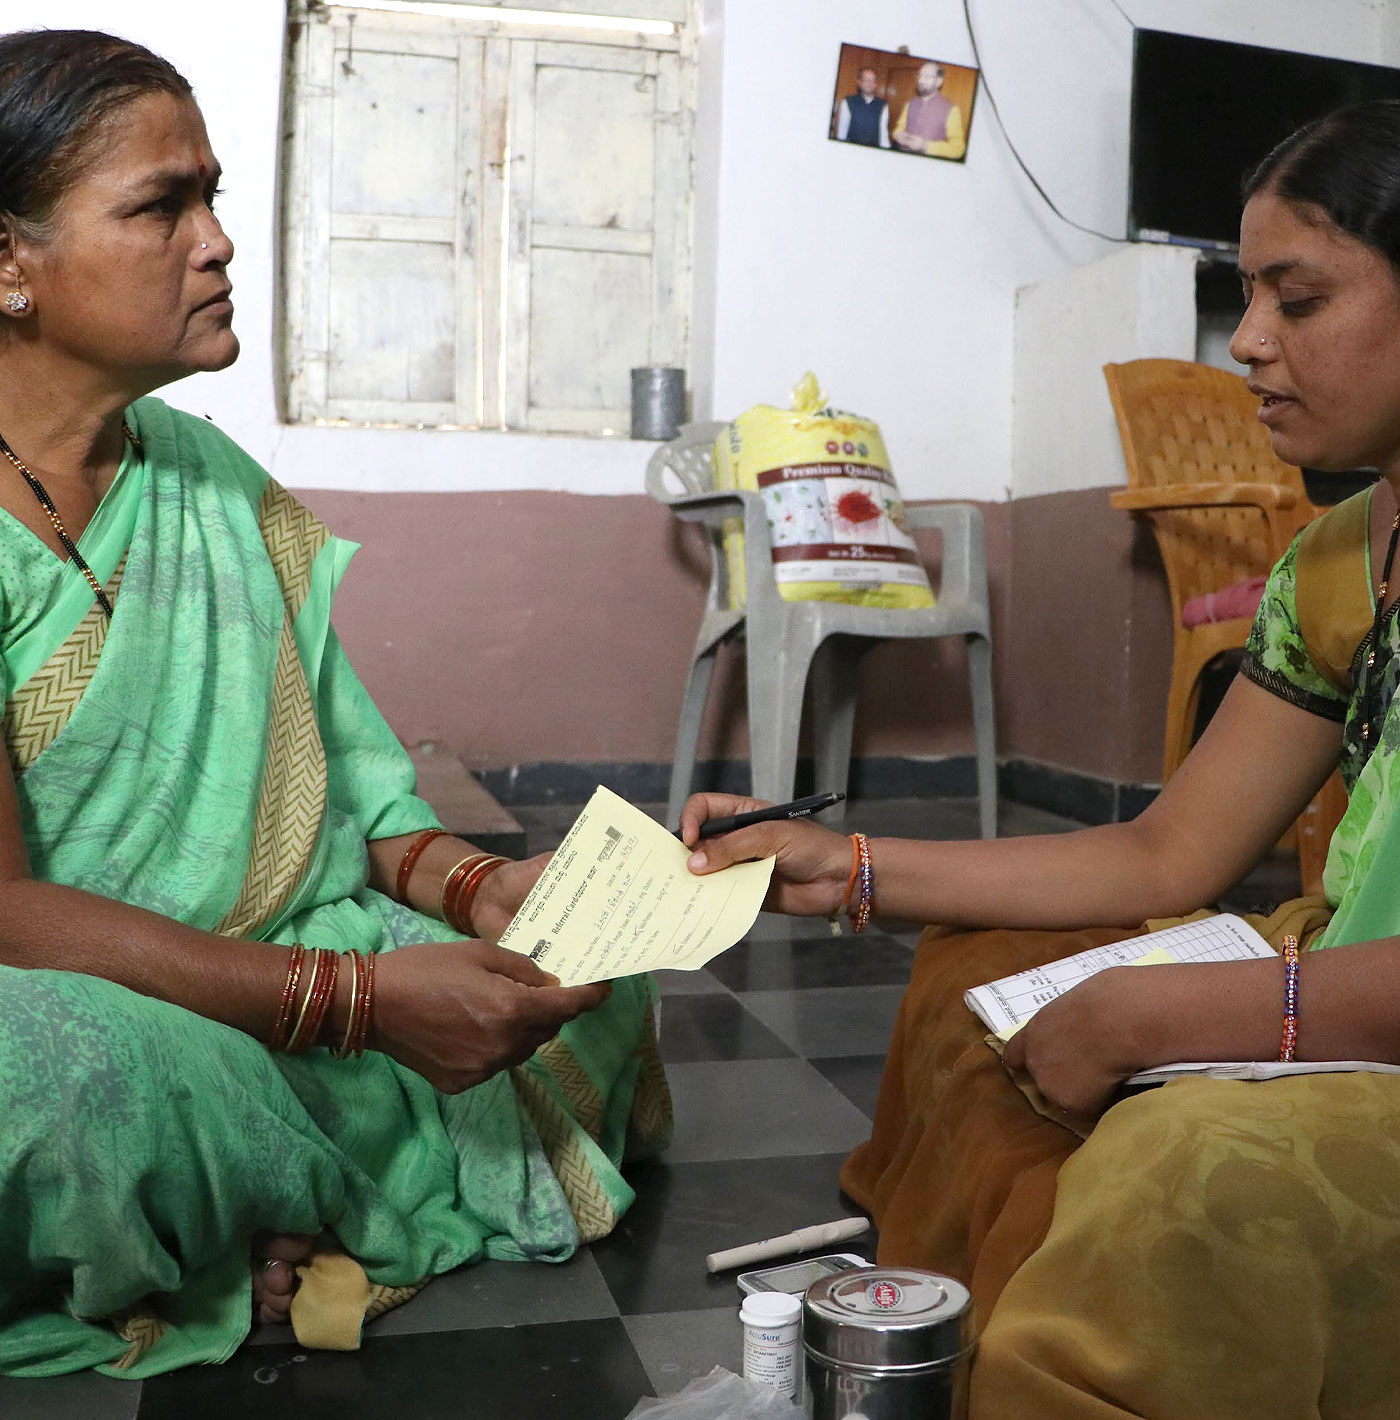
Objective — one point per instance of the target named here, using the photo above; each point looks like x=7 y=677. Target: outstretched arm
x=1259 y=762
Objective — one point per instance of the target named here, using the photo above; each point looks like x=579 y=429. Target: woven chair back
x=1186 y=423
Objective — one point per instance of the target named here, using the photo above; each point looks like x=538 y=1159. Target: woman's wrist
x=493 y=907
x=1134 y=1027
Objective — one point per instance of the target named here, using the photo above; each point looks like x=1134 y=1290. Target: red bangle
x=457 y=911
x=410 y=859
x=278 y=1039
x=851 y=881
x=366 y=1007
x=318 y=999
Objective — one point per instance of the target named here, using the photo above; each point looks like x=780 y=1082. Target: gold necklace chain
x=46 y=503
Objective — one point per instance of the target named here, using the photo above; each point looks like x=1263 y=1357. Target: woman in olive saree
x=1211 y=1248
x=196 y=781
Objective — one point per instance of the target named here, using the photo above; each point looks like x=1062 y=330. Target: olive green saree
x=1213 y=1249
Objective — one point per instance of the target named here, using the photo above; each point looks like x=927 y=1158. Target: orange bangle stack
x=460 y=887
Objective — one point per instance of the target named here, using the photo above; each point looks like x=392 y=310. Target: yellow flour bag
x=835 y=517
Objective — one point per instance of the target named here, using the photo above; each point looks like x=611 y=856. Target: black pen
x=798 y=808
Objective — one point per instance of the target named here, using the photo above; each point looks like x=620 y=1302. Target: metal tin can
x=887 y=1343
x=658 y=401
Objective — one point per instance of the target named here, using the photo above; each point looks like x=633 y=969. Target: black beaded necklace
x=1368 y=699
x=46 y=503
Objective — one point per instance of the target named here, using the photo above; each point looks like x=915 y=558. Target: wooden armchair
x=1223 y=509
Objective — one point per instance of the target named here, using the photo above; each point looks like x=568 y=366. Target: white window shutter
x=388 y=288
x=483 y=227
x=673 y=10
x=592 y=291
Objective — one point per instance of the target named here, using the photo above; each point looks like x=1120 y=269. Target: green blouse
x=1311 y=644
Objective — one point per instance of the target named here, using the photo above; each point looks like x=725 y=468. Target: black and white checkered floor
x=774 y=1055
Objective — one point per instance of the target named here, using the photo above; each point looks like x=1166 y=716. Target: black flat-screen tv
x=1205 y=111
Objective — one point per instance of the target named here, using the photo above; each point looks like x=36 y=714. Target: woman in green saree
x=202 y=814
x=1210 y=1248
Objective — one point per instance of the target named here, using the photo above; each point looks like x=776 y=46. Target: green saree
x=211 y=756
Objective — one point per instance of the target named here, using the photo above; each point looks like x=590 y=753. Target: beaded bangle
x=278 y=1039
x=410 y=858
x=458 y=912
x=1290 y=998
x=865 y=878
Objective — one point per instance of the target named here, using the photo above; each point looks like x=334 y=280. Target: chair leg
x=833 y=719
x=777 y=676
x=697 y=691
x=1183 y=695
x=979 y=669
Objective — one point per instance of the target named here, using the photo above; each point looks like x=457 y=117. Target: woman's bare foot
x=275 y=1259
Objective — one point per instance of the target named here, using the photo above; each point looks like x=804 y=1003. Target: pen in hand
x=798 y=808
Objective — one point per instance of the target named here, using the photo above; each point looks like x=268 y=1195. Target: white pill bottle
x=772 y=1324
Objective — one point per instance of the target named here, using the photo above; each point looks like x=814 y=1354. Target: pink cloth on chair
x=1241 y=599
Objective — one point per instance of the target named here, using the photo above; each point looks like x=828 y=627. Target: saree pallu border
x=292 y=803
x=292 y=799
x=560 y=1099
x=43 y=705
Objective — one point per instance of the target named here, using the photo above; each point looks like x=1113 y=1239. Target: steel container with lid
x=887 y=1343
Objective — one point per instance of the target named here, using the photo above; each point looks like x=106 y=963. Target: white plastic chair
x=785 y=639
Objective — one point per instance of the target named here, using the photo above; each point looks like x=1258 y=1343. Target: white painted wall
x=1139 y=300
x=894 y=279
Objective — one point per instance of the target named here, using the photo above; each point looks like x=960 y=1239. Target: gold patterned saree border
x=40 y=709
x=292 y=802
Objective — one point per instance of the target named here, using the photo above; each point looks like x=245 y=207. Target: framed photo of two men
x=902 y=103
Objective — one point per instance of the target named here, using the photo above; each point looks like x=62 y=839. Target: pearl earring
x=17 y=301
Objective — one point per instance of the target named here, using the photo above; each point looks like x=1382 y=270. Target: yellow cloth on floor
x=329 y=1307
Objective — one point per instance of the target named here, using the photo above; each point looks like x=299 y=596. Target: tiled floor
x=774 y=1056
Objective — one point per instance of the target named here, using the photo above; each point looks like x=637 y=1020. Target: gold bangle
x=352 y=1016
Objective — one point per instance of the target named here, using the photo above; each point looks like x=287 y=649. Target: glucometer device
x=795 y=1277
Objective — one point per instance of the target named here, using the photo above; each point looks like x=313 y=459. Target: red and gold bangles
x=461 y=885
x=313 y=975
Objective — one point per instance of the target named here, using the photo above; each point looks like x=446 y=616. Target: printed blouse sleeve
x=1276 y=656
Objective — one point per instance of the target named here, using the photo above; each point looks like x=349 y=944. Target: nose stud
x=1263 y=340
x=204 y=246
